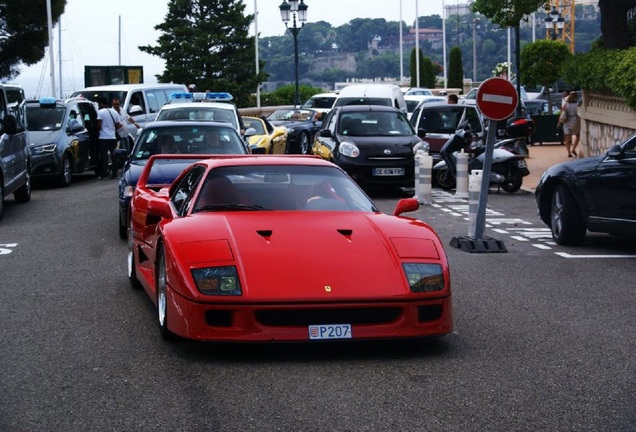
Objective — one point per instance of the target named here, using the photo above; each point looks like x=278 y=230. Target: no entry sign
x=497 y=98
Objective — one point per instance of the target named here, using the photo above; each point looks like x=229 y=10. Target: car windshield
x=281 y=187
x=96 y=95
x=374 y=123
x=325 y=102
x=195 y=139
x=45 y=119
x=255 y=124
x=446 y=119
x=193 y=112
x=296 y=115
x=364 y=101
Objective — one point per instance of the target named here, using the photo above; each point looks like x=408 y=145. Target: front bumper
x=248 y=322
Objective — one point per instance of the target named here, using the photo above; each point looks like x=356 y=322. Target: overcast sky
x=90 y=33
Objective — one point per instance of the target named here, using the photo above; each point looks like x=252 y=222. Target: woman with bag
x=569 y=118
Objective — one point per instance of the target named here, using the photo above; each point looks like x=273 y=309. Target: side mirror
x=421 y=133
x=74 y=126
x=9 y=125
x=249 y=132
x=135 y=110
x=615 y=152
x=406 y=205
x=326 y=133
x=159 y=208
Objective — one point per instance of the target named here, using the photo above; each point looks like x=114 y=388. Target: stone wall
x=605 y=120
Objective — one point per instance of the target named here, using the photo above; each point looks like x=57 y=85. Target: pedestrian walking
x=571 y=122
x=125 y=120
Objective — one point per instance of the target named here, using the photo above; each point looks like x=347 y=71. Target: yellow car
x=272 y=138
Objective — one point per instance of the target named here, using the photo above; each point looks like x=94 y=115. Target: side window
x=330 y=122
x=17 y=106
x=473 y=120
x=153 y=102
x=137 y=98
x=74 y=115
x=182 y=194
x=3 y=103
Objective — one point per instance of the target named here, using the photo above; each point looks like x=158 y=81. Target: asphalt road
x=544 y=338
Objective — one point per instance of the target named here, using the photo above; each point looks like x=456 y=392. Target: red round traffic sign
x=497 y=98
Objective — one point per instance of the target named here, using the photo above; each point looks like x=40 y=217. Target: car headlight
x=128 y=191
x=47 y=148
x=349 y=149
x=219 y=281
x=424 y=277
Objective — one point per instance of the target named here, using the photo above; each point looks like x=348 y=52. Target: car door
x=325 y=143
x=80 y=139
x=614 y=186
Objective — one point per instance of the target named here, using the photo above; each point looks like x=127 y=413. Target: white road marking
x=567 y=255
x=4 y=248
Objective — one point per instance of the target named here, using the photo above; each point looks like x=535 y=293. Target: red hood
x=309 y=256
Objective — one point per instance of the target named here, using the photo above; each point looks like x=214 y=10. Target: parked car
x=272 y=139
x=301 y=124
x=63 y=138
x=592 y=194
x=437 y=122
x=416 y=91
x=212 y=253
x=322 y=102
x=210 y=106
x=412 y=101
x=195 y=140
x=15 y=157
x=372 y=143
x=140 y=101
x=372 y=94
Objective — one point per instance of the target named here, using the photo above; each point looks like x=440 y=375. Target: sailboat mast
x=119 y=40
x=59 y=53
x=52 y=57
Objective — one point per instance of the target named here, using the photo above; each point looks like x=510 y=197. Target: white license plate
x=522 y=164
x=388 y=171
x=330 y=331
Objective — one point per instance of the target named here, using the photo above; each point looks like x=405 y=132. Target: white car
x=413 y=101
x=202 y=107
x=322 y=102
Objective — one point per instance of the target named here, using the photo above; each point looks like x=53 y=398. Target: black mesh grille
x=429 y=313
x=304 y=317
x=218 y=318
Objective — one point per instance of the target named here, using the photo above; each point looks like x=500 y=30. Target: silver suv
x=15 y=157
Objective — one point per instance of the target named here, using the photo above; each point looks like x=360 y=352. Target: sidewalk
x=541 y=158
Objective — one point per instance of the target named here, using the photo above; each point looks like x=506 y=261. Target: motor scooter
x=507 y=169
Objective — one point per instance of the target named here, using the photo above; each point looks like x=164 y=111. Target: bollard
x=461 y=179
x=474 y=193
x=423 y=177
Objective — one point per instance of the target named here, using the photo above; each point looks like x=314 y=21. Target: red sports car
x=283 y=248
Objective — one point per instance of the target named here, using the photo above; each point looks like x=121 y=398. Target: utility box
x=107 y=75
x=546 y=129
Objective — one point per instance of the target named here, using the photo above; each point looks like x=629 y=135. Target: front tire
x=162 y=295
x=23 y=194
x=566 y=224
x=67 y=170
x=123 y=230
x=445 y=179
x=132 y=267
x=303 y=144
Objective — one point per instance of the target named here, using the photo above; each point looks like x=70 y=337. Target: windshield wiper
x=234 y=206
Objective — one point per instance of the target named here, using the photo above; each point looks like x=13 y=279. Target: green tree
x=542 y=62
x=206 y=42
x=428 y=76
x=413 y=68
x=24 y=33
x=506 y=13
x=455 y=69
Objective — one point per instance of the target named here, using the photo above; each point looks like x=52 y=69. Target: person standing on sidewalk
x=107 y=125
x=572 y=124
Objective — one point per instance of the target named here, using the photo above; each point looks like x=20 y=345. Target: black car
x=194 y=138
x=62 y=137
x=372 y=143
x=301 y=124
x=596 y=194
x=437 y=122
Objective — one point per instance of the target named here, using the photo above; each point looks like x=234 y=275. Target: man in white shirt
x=124 y=119
x=107 y=125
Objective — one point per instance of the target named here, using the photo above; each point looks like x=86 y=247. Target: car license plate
x=388 y=171
x=522 y=164
x=330 y=331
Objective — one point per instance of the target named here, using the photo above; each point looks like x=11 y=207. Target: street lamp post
x=475 y=25
x=297 y=10
x=554 y=24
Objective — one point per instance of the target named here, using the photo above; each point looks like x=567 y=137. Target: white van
x=372 y=94
x=141 y=101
